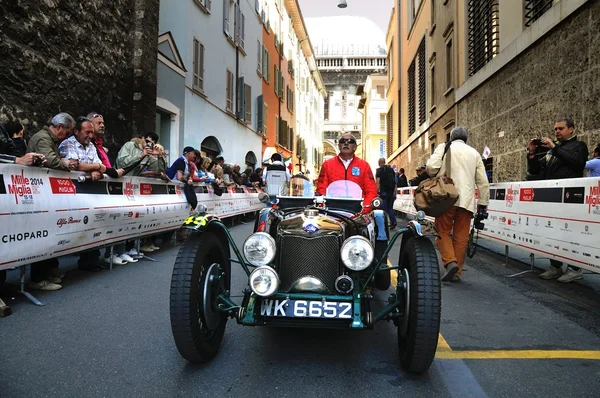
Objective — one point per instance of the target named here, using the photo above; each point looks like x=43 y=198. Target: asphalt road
x=108 y=334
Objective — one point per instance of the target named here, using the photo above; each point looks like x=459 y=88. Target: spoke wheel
x=418 y=332
x=201 y=273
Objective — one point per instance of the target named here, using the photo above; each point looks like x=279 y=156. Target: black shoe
x=451 y=270
x=393 y=226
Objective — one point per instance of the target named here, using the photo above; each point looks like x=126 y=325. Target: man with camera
x=551 y=160
x=137 y=155
x=464 y=166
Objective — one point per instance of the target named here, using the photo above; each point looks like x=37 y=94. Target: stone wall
x=557 y=76
x=77 y=57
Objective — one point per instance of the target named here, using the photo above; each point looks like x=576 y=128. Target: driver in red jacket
x=346 y=166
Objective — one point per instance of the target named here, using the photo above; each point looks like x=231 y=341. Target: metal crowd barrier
x=558 y=219
x=48 y=213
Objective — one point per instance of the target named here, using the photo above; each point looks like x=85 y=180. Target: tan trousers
x=458 y=222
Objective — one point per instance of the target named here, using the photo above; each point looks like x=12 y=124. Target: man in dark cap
x=180 y=170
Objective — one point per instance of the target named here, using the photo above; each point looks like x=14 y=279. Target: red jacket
x=358 y=171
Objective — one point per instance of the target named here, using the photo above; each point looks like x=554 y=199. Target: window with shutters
x=422 y=83
x=535 y=9
x=227 y=18
x=240 y=106
x=449 y=65
x=411 y=98
x=248 y=104
x=265 y=118
x=382 y=117
x=276 y=77
x=277 y=127
x=198 y=66
x=240 y=28
x=229 y=88
x=266 y=60
x=484 y=33
x=259 y=56
x=204 y=5
x=260 y=114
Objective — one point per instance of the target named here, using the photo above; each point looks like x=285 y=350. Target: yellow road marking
x=443 y=345
x=444 y=351
x=518 y=354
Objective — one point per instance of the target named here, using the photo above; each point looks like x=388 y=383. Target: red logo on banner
x=62 y=186
x=526 y=195
x=145 y=189
x=593 y=199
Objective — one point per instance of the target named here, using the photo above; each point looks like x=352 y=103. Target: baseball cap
x=220 y=157
x=188 y=149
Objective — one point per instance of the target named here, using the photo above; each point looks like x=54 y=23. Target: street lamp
x=342 y=4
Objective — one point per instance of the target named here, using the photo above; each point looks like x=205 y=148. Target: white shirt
x=346 y=162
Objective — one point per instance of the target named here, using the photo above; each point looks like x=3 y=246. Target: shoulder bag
x=436 y=195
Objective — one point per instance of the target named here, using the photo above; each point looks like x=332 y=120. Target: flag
x=486 y=152
x=289 y=163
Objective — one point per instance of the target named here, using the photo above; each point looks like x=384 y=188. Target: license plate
x=306 y=309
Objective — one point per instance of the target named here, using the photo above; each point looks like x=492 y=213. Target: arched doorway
x=251 y=160
x=211 y=147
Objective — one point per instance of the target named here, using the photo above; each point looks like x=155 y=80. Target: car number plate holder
x=306 y=309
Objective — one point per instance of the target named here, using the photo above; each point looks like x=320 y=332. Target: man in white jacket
x=463 y=164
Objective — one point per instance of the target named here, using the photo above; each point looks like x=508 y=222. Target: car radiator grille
x=318 y=257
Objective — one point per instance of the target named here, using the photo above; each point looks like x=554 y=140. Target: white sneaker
x=571 y=275
x=115 y=259
x=44 y=285
x=54 y=279
x=134 y=253
x=126 y=257
x=147 y=248
x=154 y=247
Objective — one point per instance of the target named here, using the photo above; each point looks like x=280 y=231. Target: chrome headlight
x=357 y=253
x=264 y=281
x=259 y=248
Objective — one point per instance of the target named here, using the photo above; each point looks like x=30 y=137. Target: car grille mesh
x=318 y=257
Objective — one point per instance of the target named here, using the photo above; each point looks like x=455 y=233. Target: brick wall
x=557 y=76
x=76 y=57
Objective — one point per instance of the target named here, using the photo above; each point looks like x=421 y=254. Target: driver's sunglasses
x=347 y=141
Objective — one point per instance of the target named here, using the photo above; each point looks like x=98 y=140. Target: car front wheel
x=419 y=330
x=201 y=273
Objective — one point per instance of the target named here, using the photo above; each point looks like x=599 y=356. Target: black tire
x=382 y=279
x=471 y=244
x=195 y=340
x=418 y=334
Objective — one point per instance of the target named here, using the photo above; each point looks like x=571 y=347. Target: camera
x=37 y=161
x=537 y=141
x=149 y=144
x=481 y=215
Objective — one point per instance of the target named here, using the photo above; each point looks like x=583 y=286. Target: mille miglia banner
x=558 y=219
x=47 y=213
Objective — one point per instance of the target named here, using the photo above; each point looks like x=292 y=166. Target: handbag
x=436 y=195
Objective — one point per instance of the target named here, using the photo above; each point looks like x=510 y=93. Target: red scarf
x=101 y=153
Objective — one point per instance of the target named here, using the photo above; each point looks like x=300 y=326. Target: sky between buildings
x=377 y=11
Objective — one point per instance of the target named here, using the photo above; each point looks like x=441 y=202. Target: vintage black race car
x=313 y=261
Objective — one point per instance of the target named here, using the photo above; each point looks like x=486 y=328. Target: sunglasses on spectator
x=347 y=141
x=95 y=115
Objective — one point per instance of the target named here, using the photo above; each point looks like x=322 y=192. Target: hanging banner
x=558 y=219
x=47 y=213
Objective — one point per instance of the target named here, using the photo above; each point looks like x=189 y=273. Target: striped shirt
x=72 y=149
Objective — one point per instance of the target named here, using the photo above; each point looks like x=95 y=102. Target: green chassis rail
x=246 y=314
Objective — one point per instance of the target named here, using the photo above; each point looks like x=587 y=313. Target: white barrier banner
x=46 y=213
x=558 y=219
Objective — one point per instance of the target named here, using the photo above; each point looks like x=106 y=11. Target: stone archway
x=211 y=147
